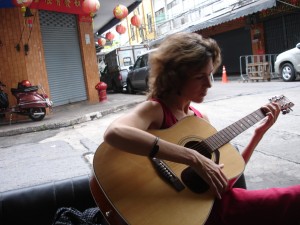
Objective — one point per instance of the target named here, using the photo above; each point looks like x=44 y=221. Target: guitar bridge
x=167 y=174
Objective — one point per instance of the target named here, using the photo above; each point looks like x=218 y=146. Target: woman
x=180 y=74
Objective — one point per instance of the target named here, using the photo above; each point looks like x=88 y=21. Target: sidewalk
x=68 y=115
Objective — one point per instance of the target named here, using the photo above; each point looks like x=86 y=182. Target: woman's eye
x=200 y=77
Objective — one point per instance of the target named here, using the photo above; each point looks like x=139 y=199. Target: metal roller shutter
x=233 y=44
x=282 y=33
x=63 y=57
x=293 y=29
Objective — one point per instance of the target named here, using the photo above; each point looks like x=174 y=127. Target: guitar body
x=128 y=190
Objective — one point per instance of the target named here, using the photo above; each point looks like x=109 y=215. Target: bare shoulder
x=148 y=106
x=146 y=115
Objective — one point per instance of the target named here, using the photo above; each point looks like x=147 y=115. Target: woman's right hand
x=211 y=173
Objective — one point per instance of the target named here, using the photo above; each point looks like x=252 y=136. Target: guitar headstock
x=285 y=104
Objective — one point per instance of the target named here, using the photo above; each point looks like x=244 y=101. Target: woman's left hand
x=272 y=111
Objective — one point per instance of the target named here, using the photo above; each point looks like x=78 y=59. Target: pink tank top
x=169 y=118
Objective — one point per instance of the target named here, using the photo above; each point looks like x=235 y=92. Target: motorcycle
x=30 y=102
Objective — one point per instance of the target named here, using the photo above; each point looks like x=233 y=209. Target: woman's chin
x=199 y=99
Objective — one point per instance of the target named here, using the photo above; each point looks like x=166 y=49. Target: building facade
x=241 y=27
x=146 y=32
x=133 y=35
x=55 y=50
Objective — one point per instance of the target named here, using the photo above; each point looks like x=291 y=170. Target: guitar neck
x=221 y=138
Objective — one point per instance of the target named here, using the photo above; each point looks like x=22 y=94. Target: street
x=34 y=158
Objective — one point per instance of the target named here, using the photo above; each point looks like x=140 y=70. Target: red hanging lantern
x=136 y=21
x=21 y=3
x=120 y=12
x=109 y=36
x=120 y=29
x=101 y=41
x=90 y=6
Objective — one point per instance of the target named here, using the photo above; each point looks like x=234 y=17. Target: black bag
x=72 y=216
x=3 y=100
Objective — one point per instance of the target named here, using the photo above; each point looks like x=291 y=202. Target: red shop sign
x=64 y=6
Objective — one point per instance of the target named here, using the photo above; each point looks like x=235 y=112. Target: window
x=127 y=61
x=159 y=12
x=138 y=63
x=141 y=62
x=172 y=4
x=132 y=32
x=149 y=20
x=145 y=59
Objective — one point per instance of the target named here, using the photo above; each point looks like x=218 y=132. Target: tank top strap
x=196 y=112
x=169 y=118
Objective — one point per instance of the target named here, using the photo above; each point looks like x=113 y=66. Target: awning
x=104 y=18
x=101 y=24
x=230 y=13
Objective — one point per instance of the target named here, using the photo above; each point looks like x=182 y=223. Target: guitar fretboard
x=219 y=139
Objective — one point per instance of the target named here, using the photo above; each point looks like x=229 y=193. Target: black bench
x=37 y=205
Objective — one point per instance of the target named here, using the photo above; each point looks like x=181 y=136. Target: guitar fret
x=255 y=118
x=231 y=133
x=222 y=137
x=238 y=127
x=227 y=134
x=234 y=131
x=258 y=114
x=212 y=142
x=247 y=122
x=221 y=140
x=217 y=139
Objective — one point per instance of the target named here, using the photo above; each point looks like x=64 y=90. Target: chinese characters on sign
x=64 y=6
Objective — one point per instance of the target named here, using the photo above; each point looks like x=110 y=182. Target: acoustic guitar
x=137 y=190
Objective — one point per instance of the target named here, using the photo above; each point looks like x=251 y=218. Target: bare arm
x=273 y=111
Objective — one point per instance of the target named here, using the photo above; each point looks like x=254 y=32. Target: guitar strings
x=215 y=141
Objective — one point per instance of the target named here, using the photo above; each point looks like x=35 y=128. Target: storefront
x=51 y=47
x=62 y=57
x=52 y=44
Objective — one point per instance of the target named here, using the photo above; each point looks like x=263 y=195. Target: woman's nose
x=209 y=81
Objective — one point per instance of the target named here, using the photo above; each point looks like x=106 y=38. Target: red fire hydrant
x=101 y=88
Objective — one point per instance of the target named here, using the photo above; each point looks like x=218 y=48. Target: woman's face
x=196 y=86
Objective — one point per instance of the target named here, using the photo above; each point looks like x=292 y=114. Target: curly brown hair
x=177 y=57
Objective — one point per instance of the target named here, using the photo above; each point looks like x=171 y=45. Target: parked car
x=137 y=79
x=287 y=64
x=117 y=63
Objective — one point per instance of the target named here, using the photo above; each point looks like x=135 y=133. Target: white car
x=287 y=64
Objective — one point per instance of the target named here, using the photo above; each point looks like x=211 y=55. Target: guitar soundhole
x=189 y=177
x=200 y=147
x=193 y=181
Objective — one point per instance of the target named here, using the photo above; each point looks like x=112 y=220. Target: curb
x=67 y=123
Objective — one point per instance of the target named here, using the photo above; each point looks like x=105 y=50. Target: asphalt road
x=35 y=158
